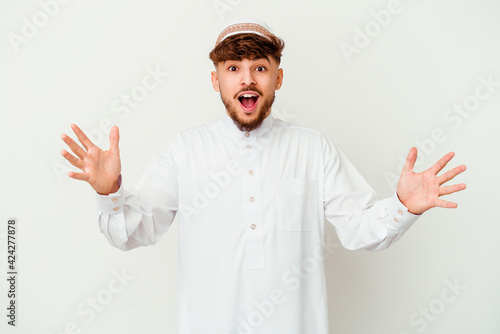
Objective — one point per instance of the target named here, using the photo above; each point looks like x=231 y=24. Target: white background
x=391 y=95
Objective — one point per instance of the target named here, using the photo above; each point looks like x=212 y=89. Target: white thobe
x=251 y=208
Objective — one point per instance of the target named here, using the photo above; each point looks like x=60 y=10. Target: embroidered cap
x=245 y=26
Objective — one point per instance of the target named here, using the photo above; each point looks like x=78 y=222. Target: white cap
x=252 y=26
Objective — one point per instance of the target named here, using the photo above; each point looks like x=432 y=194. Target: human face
x=247 y=88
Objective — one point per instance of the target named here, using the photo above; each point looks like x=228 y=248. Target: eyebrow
x=258 y=58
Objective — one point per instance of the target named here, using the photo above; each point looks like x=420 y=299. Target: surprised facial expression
x=247 y=88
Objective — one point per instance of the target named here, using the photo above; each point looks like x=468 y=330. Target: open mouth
x=248 y=101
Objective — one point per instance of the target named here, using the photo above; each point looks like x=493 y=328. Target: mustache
x=248 y=89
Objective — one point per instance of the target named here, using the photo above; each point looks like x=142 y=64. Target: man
x=251 y=193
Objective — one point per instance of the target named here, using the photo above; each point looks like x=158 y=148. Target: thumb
x=410 y=161
x=114 y=137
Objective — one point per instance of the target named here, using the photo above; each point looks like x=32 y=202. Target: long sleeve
x=129 y=219
x=351 y=205
x=251 y=208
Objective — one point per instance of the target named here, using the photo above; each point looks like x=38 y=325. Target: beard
x=252 y=124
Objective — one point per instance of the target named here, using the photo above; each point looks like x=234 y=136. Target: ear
x=215 y=81
x=279 y=79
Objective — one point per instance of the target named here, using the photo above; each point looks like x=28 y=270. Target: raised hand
x=421 y=191
x=100 y=169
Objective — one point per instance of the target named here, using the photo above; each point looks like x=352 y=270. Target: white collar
x=263 y=129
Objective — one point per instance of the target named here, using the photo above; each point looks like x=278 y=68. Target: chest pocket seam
x=297 y=204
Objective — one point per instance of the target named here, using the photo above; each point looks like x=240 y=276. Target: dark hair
x=247 y=46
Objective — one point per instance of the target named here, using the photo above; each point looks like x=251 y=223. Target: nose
x=247 y=77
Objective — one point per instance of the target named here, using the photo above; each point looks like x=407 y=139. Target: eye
x=261 y=69
x=232 y=68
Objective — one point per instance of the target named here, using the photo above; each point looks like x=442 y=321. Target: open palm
x=100 y=169
x=421 y=191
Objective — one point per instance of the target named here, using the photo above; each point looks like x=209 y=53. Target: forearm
x=376 y=226
x=137 y=218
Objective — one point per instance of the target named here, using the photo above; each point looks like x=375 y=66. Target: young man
x=251 y=193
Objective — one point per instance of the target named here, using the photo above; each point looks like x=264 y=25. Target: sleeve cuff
x=112 y=203
x=399 y=216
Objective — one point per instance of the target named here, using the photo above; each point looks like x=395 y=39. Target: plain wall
x=399 y=88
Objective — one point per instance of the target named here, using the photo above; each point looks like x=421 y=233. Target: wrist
x=408 y=207
x=114 y=188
